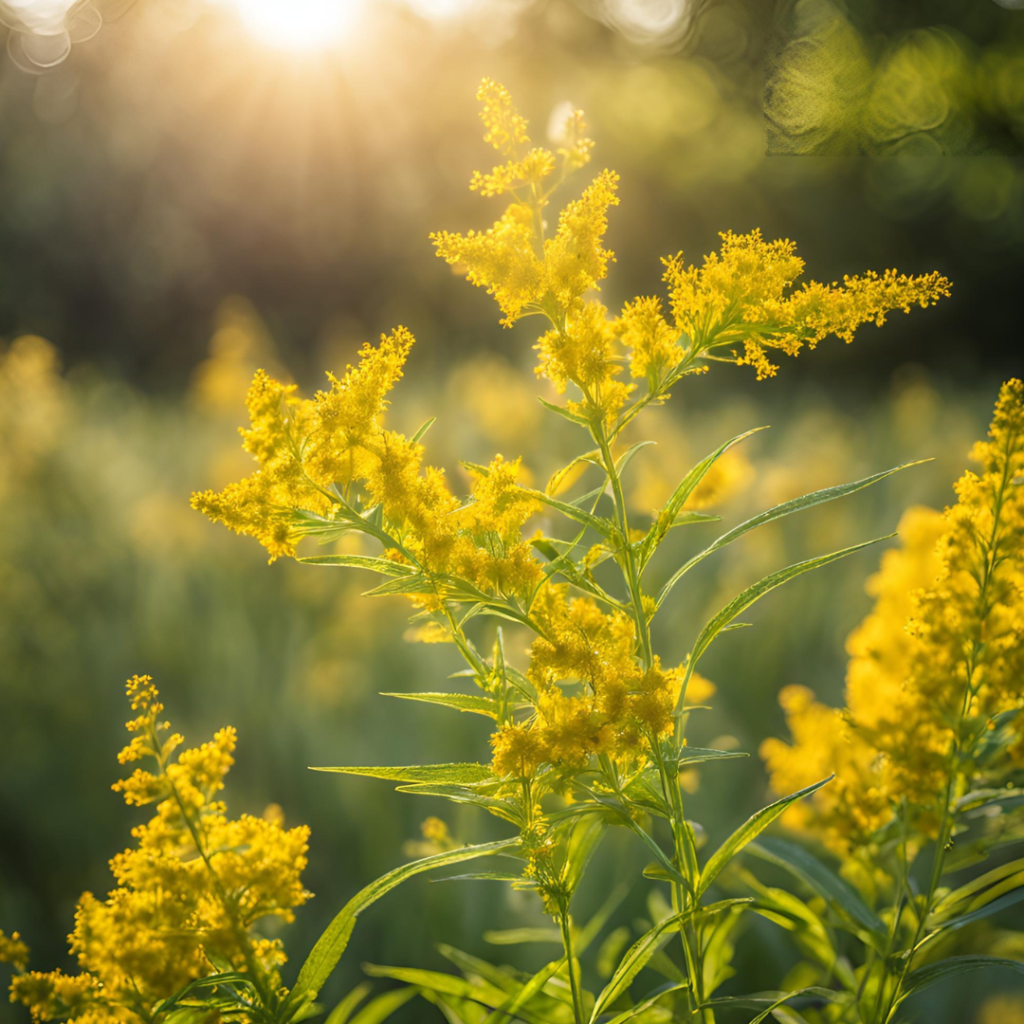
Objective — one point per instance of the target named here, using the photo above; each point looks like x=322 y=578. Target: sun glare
x=299 y=24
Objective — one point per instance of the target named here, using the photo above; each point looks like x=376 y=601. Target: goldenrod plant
x=589 y=731
x=927 y=755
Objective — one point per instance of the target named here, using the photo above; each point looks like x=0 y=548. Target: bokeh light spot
x=299 y=24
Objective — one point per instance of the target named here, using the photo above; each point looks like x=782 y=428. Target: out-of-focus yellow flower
x=13 y=950
x=940 y=655
x=501 y=402
x=239 y=344
x=188 y=893
x=32 y=406
x=1002 y=1009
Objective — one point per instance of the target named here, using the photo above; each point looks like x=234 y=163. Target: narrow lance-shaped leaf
x=666 y=517
x=740 y=604
x=633 y=1012
x=834 y=889
x=325 y=955
x=459 y=701
x=697 y=755
x=583 y=842
x=456 y=774
x=749 y=831
x=784 y=509
x=384 y=1006
x=418 y=436
x=952 y=967
x=632 y=963
x=438 y=981
x=772 y=1001
x=347 y=1006
x=384 y=566
x=602 y=526
x=504 y=1013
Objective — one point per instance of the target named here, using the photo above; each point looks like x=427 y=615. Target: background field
x=182 y=204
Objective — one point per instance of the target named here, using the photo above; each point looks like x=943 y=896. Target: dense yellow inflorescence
x=593 y=695
x=744 y=295
x=188 y=893
x=937 y=659
x=316 y=455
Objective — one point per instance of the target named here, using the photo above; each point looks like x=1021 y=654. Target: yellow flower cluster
x=187 y=894
x=513 y=260
x=743 y=295
x=615 y=707
x=315 y=454
x=736 y=307
x=13 y=950
x=940 y=655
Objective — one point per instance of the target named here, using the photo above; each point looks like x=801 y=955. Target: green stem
x=565 y=926
x=630 y=569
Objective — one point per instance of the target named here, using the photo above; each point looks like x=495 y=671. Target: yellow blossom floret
x=940 y=655
x=187 y=893
x=742 y=298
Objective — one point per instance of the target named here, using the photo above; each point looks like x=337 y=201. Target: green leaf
x=559 y=410
x=482 y=876
x=522 y=936
x=773 y=1000
x=418 y=436
x=503 y=1013
x=633 y=1012
x=822 y=880
x=627 y=456
x=599 y=525
x=556 y=478
x=379 y=1009
x=586 y=835
x=382 y=565
x=975 y=887
x=697 y=755
x=665 y=519
x=457 y=774
x=784 y=509
x=740 y=604
x=632 y=963
x=985 y=909
x=438 y=981
x=325 y=955
x=341 y=1013
x=749 y=831
x=952 y=967
x=459 y=701
x=504 y=809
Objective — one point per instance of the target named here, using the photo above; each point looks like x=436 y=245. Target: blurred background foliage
x=184 y=202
